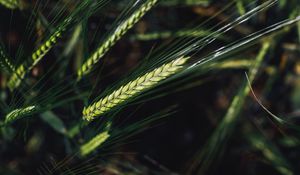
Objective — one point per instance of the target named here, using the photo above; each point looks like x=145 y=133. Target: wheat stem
x=222 y=133
x=133 y=88
x=167 y=34
x=116 y=35
x=271 y=153
x=185 y=2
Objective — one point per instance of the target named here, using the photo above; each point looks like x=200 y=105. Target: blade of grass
x=185 y=2
x=54 y=121
x=216 y=143
x=271 y=153
x=167 y=34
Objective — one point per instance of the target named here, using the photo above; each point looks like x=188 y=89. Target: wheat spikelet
x=133 y=88
x=94 y=143
x=18 y=113
x=19 y=74
x=11 y=4
x=5 y=62
x=114 y=37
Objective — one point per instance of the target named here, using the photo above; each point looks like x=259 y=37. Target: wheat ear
x=18 y=113
x=19 y=74
x=5 y=62
x=116 y=35
x=11 y=4
x=96 y=141
x=133 y=88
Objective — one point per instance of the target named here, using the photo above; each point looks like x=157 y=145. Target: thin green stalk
x=298 y=31
x=116 y=35
x=213 y=147
x=185 y=2
x=232 y=64
x=167 y=34
x=298 y=25
x=133 y=88
x=271 y=153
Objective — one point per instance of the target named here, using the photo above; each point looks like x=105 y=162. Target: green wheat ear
x=5 y=63
x=96 y=141
x=18 y=113
x=11 y=4
x=114 y=37
x=133 y=88
x=19 y=74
